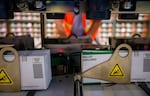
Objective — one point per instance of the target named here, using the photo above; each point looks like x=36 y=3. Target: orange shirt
x=68 y=24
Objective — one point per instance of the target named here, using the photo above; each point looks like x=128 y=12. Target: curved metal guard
x=117 y=69
x=10 y=80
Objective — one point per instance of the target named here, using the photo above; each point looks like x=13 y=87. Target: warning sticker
x=116 y=71
x=4 y=78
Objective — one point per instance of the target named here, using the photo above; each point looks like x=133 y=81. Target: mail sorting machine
x=121 y=75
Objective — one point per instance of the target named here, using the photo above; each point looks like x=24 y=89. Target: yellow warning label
x=116 y=71
x=4 y=78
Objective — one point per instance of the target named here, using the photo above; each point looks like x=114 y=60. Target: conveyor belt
x=60 y=86
x=63 y=86
x=114 y=90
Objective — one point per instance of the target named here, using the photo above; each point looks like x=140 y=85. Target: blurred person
x=76 y=25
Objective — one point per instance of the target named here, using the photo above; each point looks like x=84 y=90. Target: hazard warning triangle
x=116 y=71
x=4 y=78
